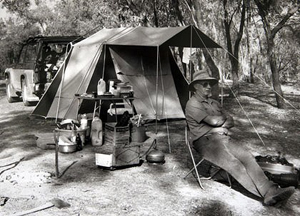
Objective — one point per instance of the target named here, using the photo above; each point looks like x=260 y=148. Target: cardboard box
x=116 y=135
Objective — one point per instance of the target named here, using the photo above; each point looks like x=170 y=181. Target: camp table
x=99 y=99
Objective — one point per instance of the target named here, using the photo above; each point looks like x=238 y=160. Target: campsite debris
x=3 y=200
x=26 y=177
x=137 y=120
x=58 y=175
x=11 y=165
x=54 y=202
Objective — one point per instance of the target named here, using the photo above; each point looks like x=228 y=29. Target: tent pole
x=222 y=89
x=190 y=62
x=191 y=45
x=156 y=99
x=103 y=68
x=61 y=83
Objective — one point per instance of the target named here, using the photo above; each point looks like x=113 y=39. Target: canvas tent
x=140 y=56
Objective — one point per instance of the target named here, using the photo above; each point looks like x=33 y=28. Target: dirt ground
x=27 y=173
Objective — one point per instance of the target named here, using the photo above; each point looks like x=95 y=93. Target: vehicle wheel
x=9 y=96
x=25 y=93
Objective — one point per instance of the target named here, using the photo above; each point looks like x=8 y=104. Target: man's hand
x=229 y=123
x=219 y=130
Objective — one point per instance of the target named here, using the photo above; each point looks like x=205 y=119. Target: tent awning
x=186 y=36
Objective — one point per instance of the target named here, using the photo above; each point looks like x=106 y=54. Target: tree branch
x=280 y=25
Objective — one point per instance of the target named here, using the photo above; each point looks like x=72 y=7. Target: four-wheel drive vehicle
x=39 y=59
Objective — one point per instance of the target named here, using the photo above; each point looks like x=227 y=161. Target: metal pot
x=155 y=156
x=67 y=148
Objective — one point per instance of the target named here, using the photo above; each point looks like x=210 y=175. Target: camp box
x=117 y=151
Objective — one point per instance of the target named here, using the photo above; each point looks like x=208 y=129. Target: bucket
x=138 y=134
x=68 y=133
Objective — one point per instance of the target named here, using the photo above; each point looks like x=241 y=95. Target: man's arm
x=215 y=121
x=225 y=121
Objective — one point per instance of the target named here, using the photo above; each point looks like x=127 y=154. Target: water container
x=138 y=134
x=97 y=132
x=101 y=87
x=111 y=86
x=83 y=122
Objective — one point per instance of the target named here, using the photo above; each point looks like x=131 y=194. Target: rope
x=275 y=92
x=246 y=114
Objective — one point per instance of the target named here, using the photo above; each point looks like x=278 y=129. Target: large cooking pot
x=65 y=145
x=155 y=156
x=67 y=148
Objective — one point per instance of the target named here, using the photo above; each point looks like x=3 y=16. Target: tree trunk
x=234 y=51
x=275 y=74
x=214 y=72
x=210 y=62
x=270 y=35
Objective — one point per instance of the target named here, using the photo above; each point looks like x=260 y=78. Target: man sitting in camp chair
x=209 y=127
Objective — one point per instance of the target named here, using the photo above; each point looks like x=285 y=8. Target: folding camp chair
x=195 y=165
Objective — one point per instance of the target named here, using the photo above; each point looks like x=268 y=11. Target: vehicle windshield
x=52 y=57
x=28 y=54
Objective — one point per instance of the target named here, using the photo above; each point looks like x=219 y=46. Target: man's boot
x=278 y=196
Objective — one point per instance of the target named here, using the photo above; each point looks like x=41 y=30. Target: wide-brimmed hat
x=201 y=76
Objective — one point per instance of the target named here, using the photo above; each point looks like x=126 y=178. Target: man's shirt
x=197 y=109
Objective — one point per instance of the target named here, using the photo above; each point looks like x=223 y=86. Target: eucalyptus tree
x=275 y=16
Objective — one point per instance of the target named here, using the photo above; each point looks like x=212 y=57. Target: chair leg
x=229 y=180
x=195 y=167
x=217 y=171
